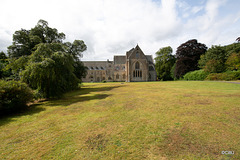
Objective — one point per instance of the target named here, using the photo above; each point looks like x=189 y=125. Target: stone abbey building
x=135 y=66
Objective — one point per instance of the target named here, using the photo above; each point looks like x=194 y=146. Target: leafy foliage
x=79 y=70
x=215 y=60
x=16 y=66
x=197 y=75
x=164 y=63
x=24 y=41
x=50 y=70
x=172 y=73
x=40 y=58
x=44 y=34
x=226 y=76
x=2 y=56
x=14 y=96
x=76 y=49
x=233 y=62
x=232 y=48
x=187 y=55
x=214 y=66
x=3 y=63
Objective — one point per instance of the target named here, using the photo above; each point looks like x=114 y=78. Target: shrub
x=233 y=61
x=195 y=75
x=214 y=66
x=226 y=76
x=14 y=96
x=104 y=81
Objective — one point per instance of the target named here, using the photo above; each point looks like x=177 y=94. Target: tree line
x=39 y=64
x=194 y=61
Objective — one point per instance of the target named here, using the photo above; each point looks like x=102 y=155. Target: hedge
x=198 y=75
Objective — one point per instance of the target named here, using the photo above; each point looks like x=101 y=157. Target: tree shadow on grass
x=83 y=91
x=75 y=99
x=30 y=110
x=68 y=99
x=81 y=96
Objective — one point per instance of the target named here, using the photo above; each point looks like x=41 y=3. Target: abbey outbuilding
x=135 y=66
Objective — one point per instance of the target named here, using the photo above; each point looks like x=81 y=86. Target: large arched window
x=137 y=66
x=137 y=72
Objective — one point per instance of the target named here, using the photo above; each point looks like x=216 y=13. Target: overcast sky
x=112 y=27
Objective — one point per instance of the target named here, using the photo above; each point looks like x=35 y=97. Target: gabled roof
x=130 y=52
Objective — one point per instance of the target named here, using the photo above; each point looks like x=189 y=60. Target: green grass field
x=150 y=120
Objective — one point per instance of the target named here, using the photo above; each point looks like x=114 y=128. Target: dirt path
x=233 y=82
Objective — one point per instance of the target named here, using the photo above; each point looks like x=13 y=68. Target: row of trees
x=193 y=56
x=40 y=58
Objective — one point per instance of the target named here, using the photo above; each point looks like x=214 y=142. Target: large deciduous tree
x=50 y=71
x=187 y=55
x=75 y=49
x=213 y=60
x=24 y=41
x=220 y=58
x=164 y=62
x=41 y=58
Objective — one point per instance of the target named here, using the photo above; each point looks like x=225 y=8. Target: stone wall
x=134 y=67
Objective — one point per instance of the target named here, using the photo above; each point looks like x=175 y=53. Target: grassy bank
x=152 y=120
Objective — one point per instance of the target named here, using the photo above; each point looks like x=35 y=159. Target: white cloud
x=209 y=27
x=212 y=8
x=111 y=27
x=196 y=9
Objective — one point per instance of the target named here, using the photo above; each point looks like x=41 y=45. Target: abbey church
x=135 y=66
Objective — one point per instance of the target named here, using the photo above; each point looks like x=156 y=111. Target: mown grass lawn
x=150 y=120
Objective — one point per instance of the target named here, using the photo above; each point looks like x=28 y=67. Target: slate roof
x=119 y=59
x=149 y=58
